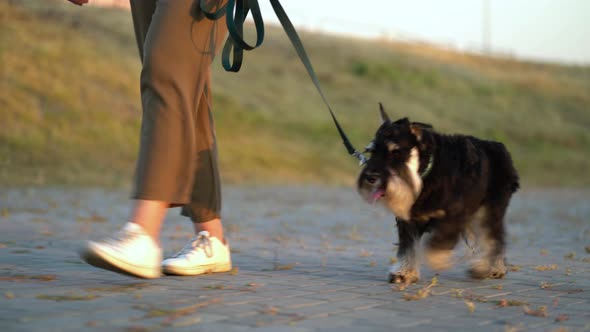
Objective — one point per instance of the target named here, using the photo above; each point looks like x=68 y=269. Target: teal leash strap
x=298 y=45
x=235 y=26
x=235 y=23
x=236 y=12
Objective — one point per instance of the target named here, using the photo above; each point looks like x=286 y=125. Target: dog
x=448 y=186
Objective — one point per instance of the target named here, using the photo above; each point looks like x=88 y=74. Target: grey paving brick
x=299 y=269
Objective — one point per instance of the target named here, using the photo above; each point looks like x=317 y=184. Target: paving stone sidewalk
x=306 y=259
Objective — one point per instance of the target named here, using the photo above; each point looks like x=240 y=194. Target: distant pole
x=487 y=27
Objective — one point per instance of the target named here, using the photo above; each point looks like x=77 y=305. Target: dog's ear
x=471 y=155
x=417 y=128
x=384 y=116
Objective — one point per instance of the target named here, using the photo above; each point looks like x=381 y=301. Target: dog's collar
x=428 y=167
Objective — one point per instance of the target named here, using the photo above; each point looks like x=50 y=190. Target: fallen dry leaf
x=9 y=295
x=422 y=292
x=470 y=305
x=458 y=293
x=180 y=312
x=433 y=282
x=284 y=267
x=541 y=312
x=587 y=248
x=20 y=251
x=69 y=297
x=510 y=303
x=270 y=310
x=473 y=297
x=546 y=285
x=498 y=287
x=510 y=328
x=251 y=287
x=188 y=321
x=562 y=317
x=365 y=253
x=514 y=268
x=544 y=252
x=234 y=271
x=18 y=277
x=570 y=256
x=220 y=286
x=548 y=267
x=119 y=288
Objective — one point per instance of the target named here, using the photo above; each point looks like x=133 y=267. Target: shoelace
x=201 y=241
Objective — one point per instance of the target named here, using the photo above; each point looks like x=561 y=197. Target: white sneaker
x=203 y=254
x=131 y=251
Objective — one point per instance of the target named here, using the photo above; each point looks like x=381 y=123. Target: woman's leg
x=177 y=158
x=177 y=48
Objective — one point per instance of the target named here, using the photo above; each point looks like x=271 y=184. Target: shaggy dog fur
x=445 y=185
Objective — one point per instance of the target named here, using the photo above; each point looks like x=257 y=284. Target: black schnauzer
x=446 y=185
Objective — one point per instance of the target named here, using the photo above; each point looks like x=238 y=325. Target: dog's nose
x=371 y=178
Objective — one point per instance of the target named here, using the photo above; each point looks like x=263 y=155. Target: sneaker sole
x=104 y=261
x=202 y=269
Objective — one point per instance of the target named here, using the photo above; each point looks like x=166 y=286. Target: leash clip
x=361 y=157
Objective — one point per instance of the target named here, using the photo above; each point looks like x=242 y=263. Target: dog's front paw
x=481 y=269
x=400 y=275
x=491 y=273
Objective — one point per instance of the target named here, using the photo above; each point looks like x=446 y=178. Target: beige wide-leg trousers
x=177 y=160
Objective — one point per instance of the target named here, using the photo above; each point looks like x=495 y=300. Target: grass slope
x=70 y=111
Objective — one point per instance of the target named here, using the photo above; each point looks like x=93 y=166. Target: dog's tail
x=504 y=166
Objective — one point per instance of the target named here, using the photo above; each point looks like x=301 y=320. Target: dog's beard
x=401 y=190
x=372 y=193
x=399 y=197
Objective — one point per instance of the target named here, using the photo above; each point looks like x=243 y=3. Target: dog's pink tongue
x=377 y=194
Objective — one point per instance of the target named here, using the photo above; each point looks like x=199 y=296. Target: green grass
x=70 y=105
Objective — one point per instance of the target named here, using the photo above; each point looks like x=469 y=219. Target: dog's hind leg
x=438 y=251
x=490 y=233
x=406 y=270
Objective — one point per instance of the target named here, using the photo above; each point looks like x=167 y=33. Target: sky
x=545 y=30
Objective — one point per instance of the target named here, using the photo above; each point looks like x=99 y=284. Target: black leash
x=235 y=14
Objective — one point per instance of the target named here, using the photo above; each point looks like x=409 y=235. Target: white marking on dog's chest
x=400 y=192
x=413 y=165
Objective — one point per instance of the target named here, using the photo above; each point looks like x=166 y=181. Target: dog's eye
x=397 y=153
x=372 y=179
